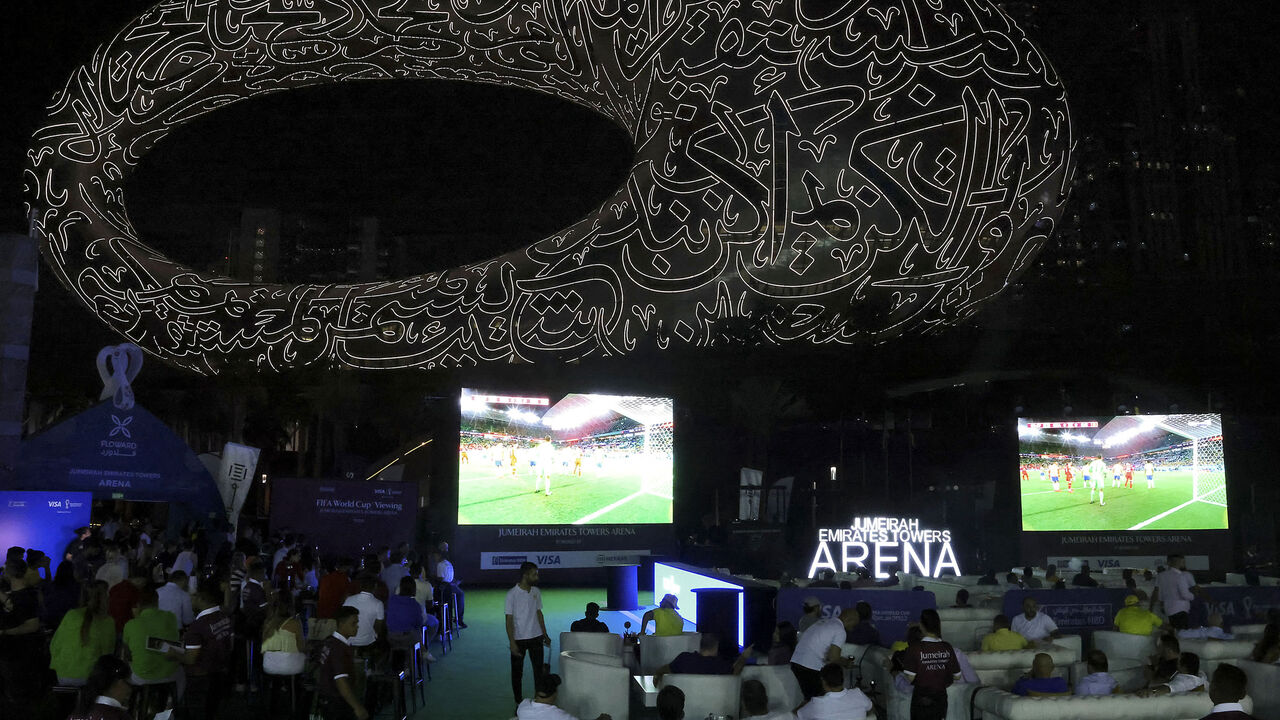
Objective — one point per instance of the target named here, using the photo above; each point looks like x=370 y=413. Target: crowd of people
x=192 y=619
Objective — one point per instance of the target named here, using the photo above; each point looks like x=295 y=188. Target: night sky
x=462 y=172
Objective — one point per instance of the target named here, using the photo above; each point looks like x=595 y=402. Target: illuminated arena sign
x=806 y=171
x=879 y=543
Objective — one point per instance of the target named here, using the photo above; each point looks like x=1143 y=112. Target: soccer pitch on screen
x=572 y=459
x=1131 y=472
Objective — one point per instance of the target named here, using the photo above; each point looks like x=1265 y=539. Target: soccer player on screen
x=1053 y=476
x=1115 y=474
x=1150 y=470
x=1066 y=470
x=1128 y=475
x=1099 y=474
x=541 y=463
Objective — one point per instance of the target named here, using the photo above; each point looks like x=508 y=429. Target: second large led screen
x=570 y=459
x=1132 y=472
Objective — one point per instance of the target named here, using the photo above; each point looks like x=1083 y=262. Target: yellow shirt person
x=1136 y=620
x=1003 y=639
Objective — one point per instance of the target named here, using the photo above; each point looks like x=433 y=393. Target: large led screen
x=1132 y=472
x=570 y=459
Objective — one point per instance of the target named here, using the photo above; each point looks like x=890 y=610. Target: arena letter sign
x=882 y=542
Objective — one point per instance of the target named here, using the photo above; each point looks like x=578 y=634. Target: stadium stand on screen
x=1132 y=472
x=576 y=459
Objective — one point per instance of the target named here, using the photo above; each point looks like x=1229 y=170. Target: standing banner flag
x=235 y=477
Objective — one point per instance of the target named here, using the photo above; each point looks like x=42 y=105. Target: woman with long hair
x=106 y=692
x=282 y=652
x=1267 y=650
x=85 y=634
x=60 y=595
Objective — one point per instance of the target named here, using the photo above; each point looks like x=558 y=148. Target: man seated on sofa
x=1187 y=679
x=1001 y=637
x=1212 y=630
x=837 y=702
x=1133 y=619
x=1040 y=681
x=1098 y=681
x=590 y=622
x=706 y=661
x=1226 y=691
x=1034 y=625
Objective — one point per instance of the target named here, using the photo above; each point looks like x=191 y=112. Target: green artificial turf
x=490 y=495
x=1126 y=508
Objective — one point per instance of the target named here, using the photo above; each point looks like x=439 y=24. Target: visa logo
x=548 y=559
x=55 y=503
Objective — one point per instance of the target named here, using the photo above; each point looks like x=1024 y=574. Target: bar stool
x=410 y=661
x=279 y=668
x=446 y=632
x=146 y=693
x=68 y=697
x=396 y=681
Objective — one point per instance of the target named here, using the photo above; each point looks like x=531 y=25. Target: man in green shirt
x=150 y=621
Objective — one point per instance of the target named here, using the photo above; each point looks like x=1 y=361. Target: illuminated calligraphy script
x=880 y=543
x=806 y=172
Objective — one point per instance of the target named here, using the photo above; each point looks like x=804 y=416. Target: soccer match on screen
x=575 y=459
x=1132 y=472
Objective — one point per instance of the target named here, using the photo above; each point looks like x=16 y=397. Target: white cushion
x=656 y=651
x=1251 y=631
x=1001 y=705
x=602 y=643
x=705 y=694
x=594 y=684
x=1212 y=652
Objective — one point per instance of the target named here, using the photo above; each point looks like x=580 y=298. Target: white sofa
x=1263 y=580
x=1249 y=631
x=656 y=650
x=706 y=694
x=898 y=704
x=601 y=643
x=1129 y=674
x=1124 y=646
x=1002 y=668
x=594 y=684
x=1212 y=652
x=779 y=683
x=1264 y=686
x=1000 y=705
x=965 y=627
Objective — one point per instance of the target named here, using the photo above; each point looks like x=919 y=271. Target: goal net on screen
x=1201 y=454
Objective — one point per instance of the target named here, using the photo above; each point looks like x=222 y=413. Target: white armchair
x=657 y=650
x=779 y=682
x=594 y=684
x=964 y=627
x=707 y=694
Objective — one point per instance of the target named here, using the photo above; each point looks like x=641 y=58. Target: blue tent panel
x=118 y=454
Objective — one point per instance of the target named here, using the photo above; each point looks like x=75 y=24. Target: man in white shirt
x=543 y=704
x=186 y=560
x=818 y=646
x=394 y=570
x=1174 y=588
x=1032 y=624
x=1187 y=679
x=373 y=614
x=838 y=702
x=115 y=570
x=450 y=590
x=175 y=599
x=526 y=629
